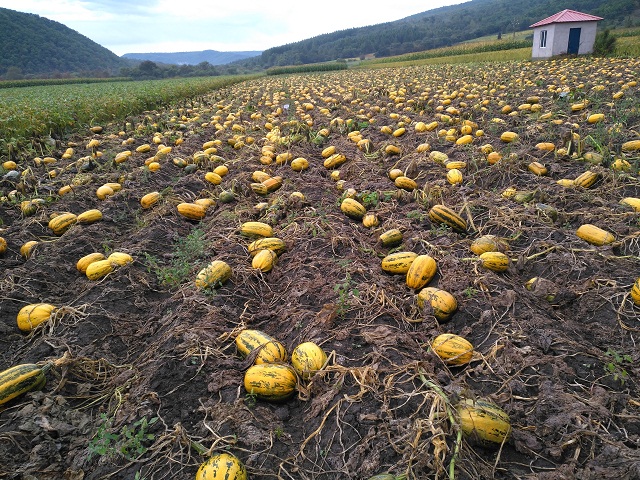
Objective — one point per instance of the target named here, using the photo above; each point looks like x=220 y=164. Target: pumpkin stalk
x=443 y=396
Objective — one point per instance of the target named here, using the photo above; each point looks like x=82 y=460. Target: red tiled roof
x=567 y=16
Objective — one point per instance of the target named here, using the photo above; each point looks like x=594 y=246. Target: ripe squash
x=631 y=202
x=594 y=235
x=27 y=248
x=483 y=421
x=327 y=152
x=104 y=191
x=271 y=350
x=442 y=302
x=30 y=316
x=62 y=222
x=264 y=260
x=222 y=466
x=454 y=176
x=353 y=208
x=495 y=261
x=21 y=379
x=191 y=211
x=444 y=215
x=213 y=275
x=90 y=216
x=370 y=220
x=399 y=262
x=299 y=164
x=508 y=137
x=452 y=349
x=537 y=169
x=488 y=243
x=334 y=160
x=85 y=261
x=213 y=178
x=586 y=179
x=405 y=183
x=631 y=146
x=421 y=272
x=256 y=229
x=3 y=245
x=120 y=258
x=97 y=270
x=271 y=381
x=150 y=199
x=635 y=292
x=307 y=358
x=391 y=238
x=267 y=243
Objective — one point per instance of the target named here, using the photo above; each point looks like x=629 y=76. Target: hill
x=37 y=46
x=213 y=57
x=441 y=27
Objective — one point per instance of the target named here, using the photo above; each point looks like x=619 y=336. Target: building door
x=574 y=41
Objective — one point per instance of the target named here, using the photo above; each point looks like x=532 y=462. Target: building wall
x=558 y=39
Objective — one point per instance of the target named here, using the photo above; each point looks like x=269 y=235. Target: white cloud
x=125 y=26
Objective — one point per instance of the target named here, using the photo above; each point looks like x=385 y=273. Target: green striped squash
x=271 y=350
x=213 y=275
x=422 y=270
x=399 y=262
x=483 y=421
x=444 y=215
x=495 y=261
x=270 y=381
x=222 y=466
x=21 y=379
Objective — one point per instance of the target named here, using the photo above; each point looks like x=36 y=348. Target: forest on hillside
x=440 y=28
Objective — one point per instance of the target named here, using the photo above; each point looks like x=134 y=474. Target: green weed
x=616 y=365
x=187 y=251
x=129 y=443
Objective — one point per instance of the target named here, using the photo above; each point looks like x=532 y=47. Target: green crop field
x=28 y=114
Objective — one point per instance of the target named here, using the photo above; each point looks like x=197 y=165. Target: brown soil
x=138 y=348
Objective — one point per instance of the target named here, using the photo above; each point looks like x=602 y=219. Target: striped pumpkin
x=398 y=263
x=422 y=270
x=271 y=381
x=442 y=302
x=495 y=261
x=222 y=466
x=353 y=208
x=444 y=215
x=21 y=379
x=452 y=349
x=267 y=243
x=271 y=350
x=213 y=275
x=483 y=421
x=307 y=358
x=61 y=223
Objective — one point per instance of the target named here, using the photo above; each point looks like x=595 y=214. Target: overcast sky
x=141 y=26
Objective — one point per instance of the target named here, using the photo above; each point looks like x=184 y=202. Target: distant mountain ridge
x=213 y=57
x=34 y=45
x=440 y=27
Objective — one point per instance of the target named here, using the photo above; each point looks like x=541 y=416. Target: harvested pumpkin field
x=497 y=205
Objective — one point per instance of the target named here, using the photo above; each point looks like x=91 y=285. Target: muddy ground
x=152 y=382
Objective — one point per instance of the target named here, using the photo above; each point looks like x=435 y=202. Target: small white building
x=566 y=33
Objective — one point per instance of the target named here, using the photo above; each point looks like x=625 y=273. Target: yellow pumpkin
x=264 y=260
x=191 y=211
x=452 y=349
x=213 y=275
x=85 y=261
x=98 y=269
x=635 y=292
x=150 y=199
x=120 y=258
x=442 y=302
x=271 y=381
x=421 y=271
x=90 y=216
x=30 y=316
x=594 y=235
x=483 y=421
